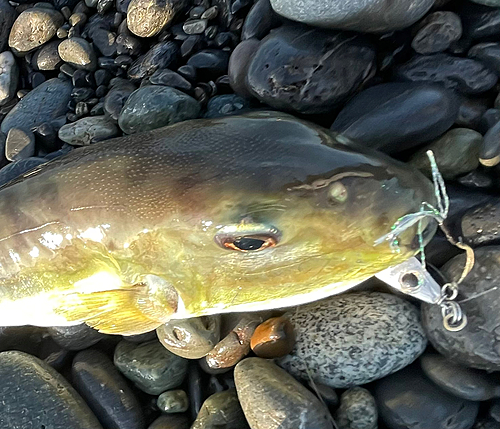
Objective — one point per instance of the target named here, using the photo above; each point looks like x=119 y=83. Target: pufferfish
x=207 y=216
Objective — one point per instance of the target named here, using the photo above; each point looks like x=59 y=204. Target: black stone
x=81 y=109
x=487 y=53
x=37 y=79
x=127 y=44
x=67 y=70
x=196 y=391
x=238 y=66
x=77 y=337
x=479 y=21
x=490 y=150
x=105 y=41
x=396 y=116
x=122 y=5
x=104 y=5
x=170 y=78
x=210 y=62
x=481 y=224
x=470 y=112
x=46 y=136
x=101 y=91
x=7 y=18
x=116 y=97
x=82 y=94
x=224 y=105
x=211 y=32
x=123 y=60
x=197 y=11
x=78 y=78
x=98 y=109
x=102 y=77
x=171 y=422
x=224 y=39
x=437 y=32
x=17 y=168
x=191 y=44
x=26 y=339
x=261 y=19
x=488 y=120
x=53 y=354
x=187 y=71
x=160 y=56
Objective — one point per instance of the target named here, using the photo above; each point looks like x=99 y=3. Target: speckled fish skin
x=82 y=236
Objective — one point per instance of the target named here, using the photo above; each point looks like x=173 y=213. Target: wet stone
x=190 y=338
x=456 y=153
x=127 y=44
x=160 y=56
x=489 y=119
x=273 y=339
x=238 y=66
x=173 y=401
x=226 y=104
x=463 y=74
x=20 y=144
x=489 y=154
x=150 y=366
x=146 y=18
x=7 y=17
x=260 y=20
x=196 y=26
x=396 y=116
x=284 y=71
x=210 y=13
x=272 y=399
x=365 y=336
x=191 y=44
x=488 y=54
x=481 y=225
x=357 y=410
x=466 y=383
x=470 y=112
x=78 y=53
x=87 y=131
x=210 y=62
x=106 y=391
x=170 y=78
x=31 y=391
x=105 y=41
x=82 y=94
x=437 y=32
x=155 y=106
x=77 y=337
x=476 y=345
x=116 y=97
x=47 y=57
x=171 y=422
x=33 y=28
x=9 y=76
x=28 y=339
x=408 y=400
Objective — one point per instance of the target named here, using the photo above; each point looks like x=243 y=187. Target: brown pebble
x=274 y=338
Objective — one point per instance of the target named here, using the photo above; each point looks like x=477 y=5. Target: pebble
x=489 y=154
x=28 y=339
x=171 y=422
x=470 y=112
x=408 y=400
x=7 y=18
x=365 y=15
x=488 y=54
x=76 y=337
x=156 y=106
x=456 y=153
x=106 y=391
x=210 y=62
x=480 y=225
x=226 y=104
x=273 y=339
x=78 y=53
x=463 y=74
x=476 y=345
x=170 y=78
x=47 y=57
x=395 y=116
x=20 y=144
x=116 y=98
x=160 y=56
x=17 y=168
x=150 y=366
x=195 y=26
x=221 y=410
x=173 y=401
x=238 y=66
x=272 y=399
x=364 y=336
x=261 y=19
x=43 y=104
x=105 y=41
x=87 y=131
x=34 y=395
x=9 y=77
x=33 y=28
x=357 y=410
x=437 y=32
x=466 y=383
x=190 y=338
x=306 y=71
x=147 y=18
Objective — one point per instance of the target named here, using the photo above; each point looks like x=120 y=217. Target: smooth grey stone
x=456 y=153
x=489 y=154
x=9 y=76
x=116 y=98
x=160 y=56
x=171 y=422
x=221 y=410
x=88 y=130
x=34 y=395
x=239 y=61
x=408 y=400
x=353 y=339
x=260 y=20
x=481 y=225
x=226 y=104
x=308 y=70
x=43 y=104
x=20 y=144
x=437 y=32
x=150 y=366
x=76 y=337
x=33 y=28
x=210 y=13
x=397 y=116
x=156 y=106
x=7 y=17
x=463 y=74
x=170 y=78
x=272 y=399
x=47 y=57
x=78 y=53
x=488 y=54
x=190 y=338
x=476 y=345
x=365 y=15
x=146 y=18
x=106 y=391
x=195 y=26
x=357 y=410
x=18 y=168
x=173 y=401
x=466 y=383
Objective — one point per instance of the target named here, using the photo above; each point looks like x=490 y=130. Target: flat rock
x=146 y=18
x=78 y=53
x=7 y=18
x=33 y=28
x=396 y=116
x=437 y=32
x=357 y=410
x=364 y=16
x=88 y=130
x=9 y=76
x=353 y=339
x=32 y=394
x=160 y=56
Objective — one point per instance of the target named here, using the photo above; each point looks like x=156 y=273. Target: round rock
x=437 y=32
x=47 y=57
x=78 y=53
x=33 y=28
x=34 y=394
x=173 y=401
x=146 y=18
x=88 y=130
x=274 y=338
x=9 y=76
x=272 y=399
x=150 y=366
x=156 y=106
x=353 y=339
x=357 y=410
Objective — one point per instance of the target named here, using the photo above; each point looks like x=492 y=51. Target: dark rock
x=470 y=112
x=77 y=337
x=171 y=422
x=102 y=77
x=78 y=53
x=481 y=225
x=477 y=179
x=156 y=106
x=396 y=116
x=98 y=109
x=18 y=168
x=170 y=78
x=150 y=366
x=160 y=56
x=488 y=54
x=122 y=5
x=123 y=60
x=106 y=391
x=105 y=41
x=173 y=401
x=238 y=66
x=210 y=13
x=146 y=18
x=479 y=21
x=210 y=62
x=463 y=74
x=490 y=151
x=66 y=148
x=78 y=79
x=7 y=17
x=82 y=94
x=408 y=400
x=476 y=345
x=36 y=79
x=228 y=104
x=308 y=71
x=47 y=57
x=53 y=354
x=127 y=44
x=20 y=144
x=188 y=72
x=437 y=32
x=9 y=77
x=261 y=19
x=46 y=135
x=191 y=44
x=26 y=339
x=88 y=131
x=357 y=410
x=116 y=98
x=104 y=5
x=488 y=120
x=33 y=393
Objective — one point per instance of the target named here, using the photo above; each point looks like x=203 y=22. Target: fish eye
x=337 y=193
x=249 y=243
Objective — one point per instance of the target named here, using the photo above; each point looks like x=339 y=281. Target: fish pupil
x=245 y=243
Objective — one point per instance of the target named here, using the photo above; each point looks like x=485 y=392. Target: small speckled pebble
x=173 y=401
x=357 y=410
